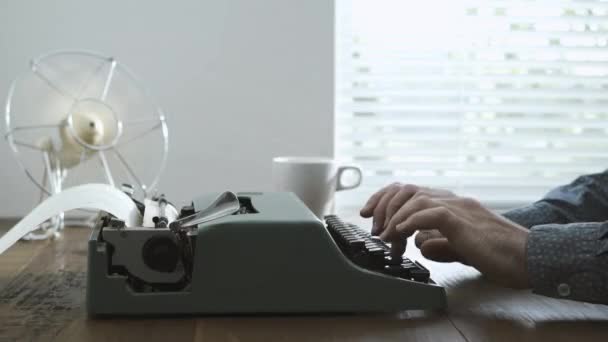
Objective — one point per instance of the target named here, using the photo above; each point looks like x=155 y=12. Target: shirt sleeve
x=569 y=261
x=536 y=214
x=583 y=200
x=567 y=249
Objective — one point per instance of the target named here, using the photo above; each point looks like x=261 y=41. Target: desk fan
x=77 y=117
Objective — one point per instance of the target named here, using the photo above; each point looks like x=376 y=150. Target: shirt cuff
x=569 y=261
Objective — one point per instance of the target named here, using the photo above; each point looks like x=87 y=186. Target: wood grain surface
x=42 y=298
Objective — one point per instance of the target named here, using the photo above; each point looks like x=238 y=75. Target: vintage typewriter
x=269 y=255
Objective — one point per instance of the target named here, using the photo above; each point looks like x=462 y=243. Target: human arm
x=583 y=200
x=567 y=261
x=567 y=250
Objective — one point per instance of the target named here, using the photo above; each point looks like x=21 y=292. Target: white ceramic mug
x=313 y=179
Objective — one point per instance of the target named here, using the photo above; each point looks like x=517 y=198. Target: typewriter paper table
x=42 y=292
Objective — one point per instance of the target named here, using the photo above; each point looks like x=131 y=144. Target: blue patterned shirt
x=567 y=250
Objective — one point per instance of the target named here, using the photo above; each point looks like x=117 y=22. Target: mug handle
x=341 y=169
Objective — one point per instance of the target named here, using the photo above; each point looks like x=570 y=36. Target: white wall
x=261 y=71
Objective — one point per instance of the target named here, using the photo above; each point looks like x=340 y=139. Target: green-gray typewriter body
x=273 y=256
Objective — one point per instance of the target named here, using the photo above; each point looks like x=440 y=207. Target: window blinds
x=500 y=100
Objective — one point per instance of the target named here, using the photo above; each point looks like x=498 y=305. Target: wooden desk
x=42 y=289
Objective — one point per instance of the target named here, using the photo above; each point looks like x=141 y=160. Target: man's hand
x=386 y=202
x=451 y=229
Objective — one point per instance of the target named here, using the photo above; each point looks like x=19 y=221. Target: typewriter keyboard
x=371 y=253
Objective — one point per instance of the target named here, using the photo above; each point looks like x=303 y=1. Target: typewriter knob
x=161 y=254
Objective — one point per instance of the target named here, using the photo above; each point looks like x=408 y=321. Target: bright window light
x=500 y=100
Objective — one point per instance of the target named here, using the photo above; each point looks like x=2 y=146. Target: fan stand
x=54 y=176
